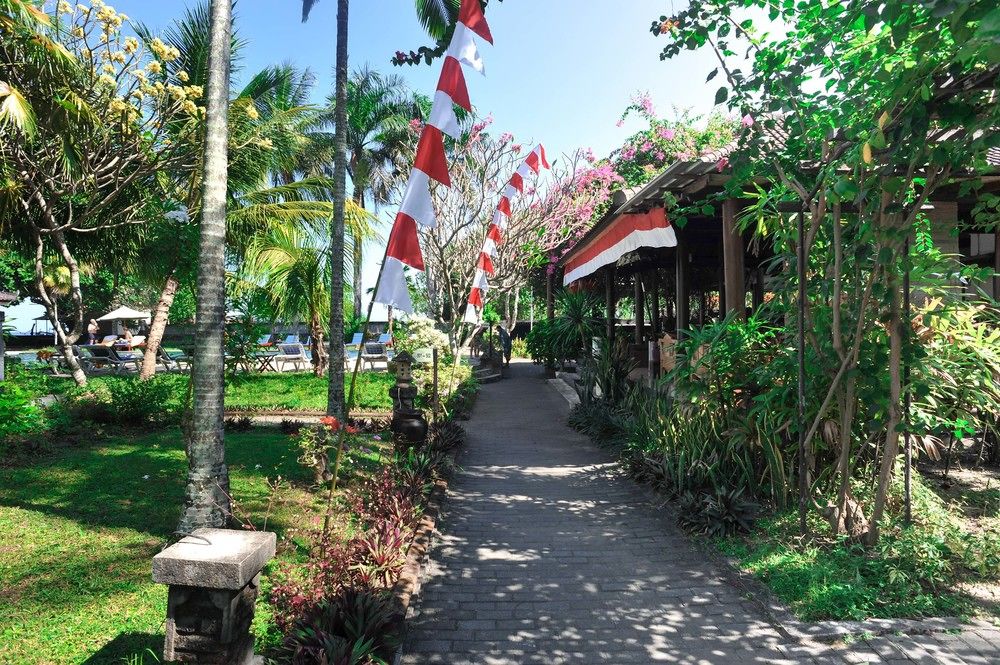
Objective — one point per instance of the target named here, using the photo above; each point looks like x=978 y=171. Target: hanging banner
x=533 y=163
x=431 y=162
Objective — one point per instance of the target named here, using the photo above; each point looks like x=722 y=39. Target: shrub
x=379 y=555
x=354 y=627
x=20 y=414
x=519 y=348
x=118 y=400
x=719 y=513
x=419 y=332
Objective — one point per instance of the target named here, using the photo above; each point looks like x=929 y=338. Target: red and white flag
x=431 y=161
x=533 y=163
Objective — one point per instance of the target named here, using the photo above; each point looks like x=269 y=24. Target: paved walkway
x=549 y=555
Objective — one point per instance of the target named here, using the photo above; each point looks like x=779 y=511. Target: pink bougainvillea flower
x=660 y=155
x=416 y=125
x=647 y=146
x=506 y=137
x=588 y=155
x=620 y=123
x=722 y=163
x=667 y=134
x=747 y=120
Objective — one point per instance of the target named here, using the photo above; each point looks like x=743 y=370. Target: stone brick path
x=547 y=554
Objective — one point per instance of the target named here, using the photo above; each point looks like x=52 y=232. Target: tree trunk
x=64 y=340
x=157 y=326
x=207 y=491
x=319 y=358
x=891 y=449
x=335 y=394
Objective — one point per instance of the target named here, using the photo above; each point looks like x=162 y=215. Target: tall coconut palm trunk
x=207 y=491
x=335 y=395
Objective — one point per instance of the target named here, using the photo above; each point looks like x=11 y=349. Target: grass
x=916 y=570
x=286 y=391
x=79 y=528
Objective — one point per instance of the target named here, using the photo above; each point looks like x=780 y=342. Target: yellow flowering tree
x=89 y=119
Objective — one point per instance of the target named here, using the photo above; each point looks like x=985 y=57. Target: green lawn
x=287 y=391
x=79 y=528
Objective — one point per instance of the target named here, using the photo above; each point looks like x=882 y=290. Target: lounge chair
x=385 y=338
x=294 y=354
x=265 y=340
x=173 y=361
x=108 y=340
x=292 y=339
x=374 y=352
x=106 y=357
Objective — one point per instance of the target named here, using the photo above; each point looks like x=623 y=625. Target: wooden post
x=683 y=288
x=996 y=265
x=654 y=288
x=758 y=289
x=550 y=316
x=640 y=323
x=610 y=302
x=732 y=250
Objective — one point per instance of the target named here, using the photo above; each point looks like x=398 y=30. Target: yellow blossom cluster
x=163 y=51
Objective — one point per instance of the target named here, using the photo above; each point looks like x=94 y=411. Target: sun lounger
x=101 y=356
x=173 y=361
x=374 y=352
x=291 y=353
x=291 y=339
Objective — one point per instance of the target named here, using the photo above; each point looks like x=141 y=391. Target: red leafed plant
x=380 y=554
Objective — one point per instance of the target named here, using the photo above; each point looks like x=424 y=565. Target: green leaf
x=721 y=95
x=712 y=74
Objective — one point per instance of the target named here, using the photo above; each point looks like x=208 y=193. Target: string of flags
x=533 y=163
x=431 y=163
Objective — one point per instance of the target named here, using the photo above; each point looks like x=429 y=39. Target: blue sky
x=560 y=73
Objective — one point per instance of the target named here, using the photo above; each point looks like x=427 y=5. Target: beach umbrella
x=125 y=314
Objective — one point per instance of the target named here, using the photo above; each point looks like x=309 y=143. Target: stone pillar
x=213 y=577
x=550 y=316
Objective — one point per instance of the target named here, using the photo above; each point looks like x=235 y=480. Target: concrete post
x=213 y=577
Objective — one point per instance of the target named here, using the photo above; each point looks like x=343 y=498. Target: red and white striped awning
x=625 y=234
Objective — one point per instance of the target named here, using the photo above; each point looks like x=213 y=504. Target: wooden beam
x=654 y=288
x=640 y=323
x=732 y=251
x=683 y=284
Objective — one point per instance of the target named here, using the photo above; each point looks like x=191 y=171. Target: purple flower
x=747 y=120
x=377 y=437
x=666 y=134
x=647 y=146
x=722 y=163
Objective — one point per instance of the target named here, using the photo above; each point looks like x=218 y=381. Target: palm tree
x=432 y=21
x=269 y=119
x=378 y=139
x=293 y=268
x=207 y=490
